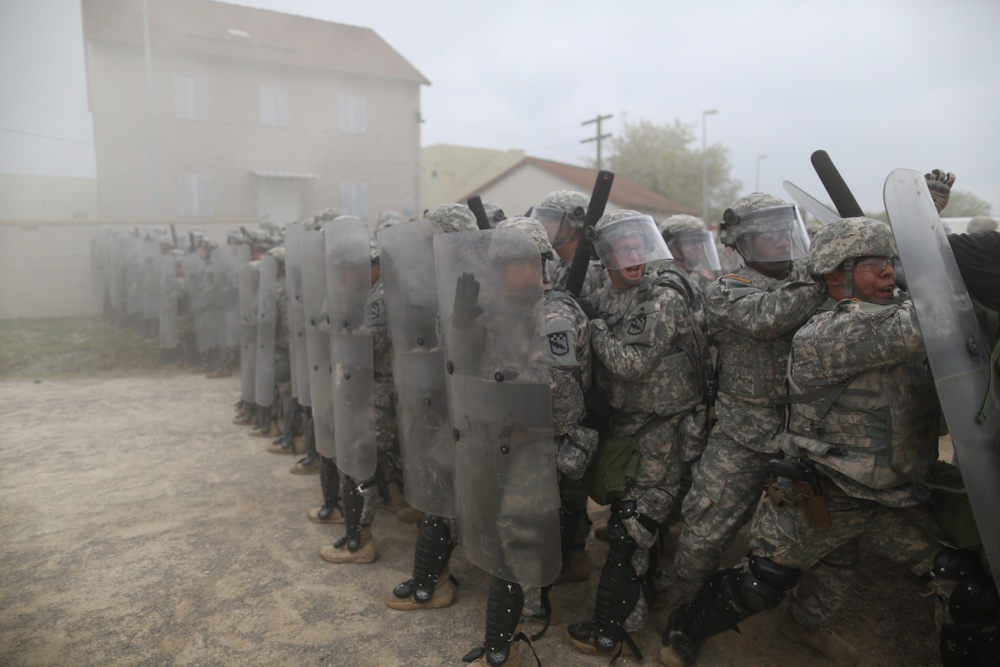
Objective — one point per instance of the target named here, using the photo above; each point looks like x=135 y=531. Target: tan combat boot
x=409 y=514
x=310 y=468
x=335 y=515
x=821 y=640
x=364 y=554
x=443 y=595
x=396 y=500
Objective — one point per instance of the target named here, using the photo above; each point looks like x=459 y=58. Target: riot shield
x=170 y=288
x=507 y=497
x=226 y=296
x=807 y=202
x=407 y=258
x=133 y=276
x=957 y=348
x=150 y=279
x=312 y=251
x=296 y=315
x=267 y=318
x=248 y=324
x=348 y=288
x=196 y=282
x=116 y=280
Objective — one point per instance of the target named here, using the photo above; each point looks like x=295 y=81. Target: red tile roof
x=624 y=193
x=206 y=26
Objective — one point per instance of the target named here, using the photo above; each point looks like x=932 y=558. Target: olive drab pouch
x=612 y=471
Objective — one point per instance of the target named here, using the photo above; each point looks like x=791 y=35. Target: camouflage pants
x=726 y=486
x=907 y=536
x=390 y=463
x=657 y=482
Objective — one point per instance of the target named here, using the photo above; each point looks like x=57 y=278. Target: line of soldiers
x=443 y=362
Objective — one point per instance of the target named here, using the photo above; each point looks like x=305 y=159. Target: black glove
x=939 y=183
x=587 y=307
x=466 y=301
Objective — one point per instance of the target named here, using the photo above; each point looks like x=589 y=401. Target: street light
x=704 y=164
x=757 y=186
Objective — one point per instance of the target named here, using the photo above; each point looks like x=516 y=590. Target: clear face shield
x=775 y=234
x=630 y=242
x=695 y=251
x=557 y=223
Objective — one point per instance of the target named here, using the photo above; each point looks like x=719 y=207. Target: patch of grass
x=72 y=346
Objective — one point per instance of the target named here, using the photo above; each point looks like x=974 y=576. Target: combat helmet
x=532 y=228
x=841 y=242
x=759 y=214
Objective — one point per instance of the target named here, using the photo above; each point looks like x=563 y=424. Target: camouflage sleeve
x=734 y=303
x=854 y=338
x=281 y=305
x=568 y=348
x=632 y=360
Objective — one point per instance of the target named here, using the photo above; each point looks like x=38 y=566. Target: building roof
x=624 y=193
x=232 y=31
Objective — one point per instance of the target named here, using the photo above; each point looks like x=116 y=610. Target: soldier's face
x=521 y=277
x=874 y=278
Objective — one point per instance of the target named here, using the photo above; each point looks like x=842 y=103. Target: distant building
x=517 y=182
x=46 y=197
x=204 y=110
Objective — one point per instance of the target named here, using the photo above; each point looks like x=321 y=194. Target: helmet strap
x=848 y=278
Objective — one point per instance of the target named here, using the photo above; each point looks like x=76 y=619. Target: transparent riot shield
x=226 y=296
x=957 y=347
x=196 y=283
x=133 y=276
x=170 y=287
x=313 y=251
x=507 y=499
x=150 y=279
x=296 y=315
x=248 y=324
x=406 y=254
x=116 y=287
x=348 y=287
x=267 y=318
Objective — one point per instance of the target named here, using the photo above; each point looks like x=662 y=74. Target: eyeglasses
x=625 y=252
x=874 y=264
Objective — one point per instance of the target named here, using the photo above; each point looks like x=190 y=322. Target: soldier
x=648 y=366
x=696 y=262
x=566 y=338
x=562 y=214
x=268 y=426
x=431 y=585
x=860 y=446
x=752 y=314
x=364 y=404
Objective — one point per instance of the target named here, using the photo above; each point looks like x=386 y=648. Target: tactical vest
x=878 y=428
x=677 y=382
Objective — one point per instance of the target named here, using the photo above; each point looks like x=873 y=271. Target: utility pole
x=757 y=182
x=704 y=164
x=151 y=118
x=599 y=138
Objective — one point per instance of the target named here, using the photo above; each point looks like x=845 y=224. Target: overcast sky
x=879 y=84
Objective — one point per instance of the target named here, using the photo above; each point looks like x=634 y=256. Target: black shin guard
x=568 y=522
x=309 y=437
x=725 y=599
x=352 y=515
x=329 y=480
x=503 y=613
x=972 y=638
x=288 y=432
x=429 y=559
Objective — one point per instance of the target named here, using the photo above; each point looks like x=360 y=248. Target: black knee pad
x=956 y=564
x=329 y=479
x=763 y=583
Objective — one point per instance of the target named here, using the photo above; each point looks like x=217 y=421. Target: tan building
x=38 y=197
x=517 y=182
x=234 y=112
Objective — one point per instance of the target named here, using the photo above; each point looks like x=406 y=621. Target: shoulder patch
x=376 y=312
x=559 y=339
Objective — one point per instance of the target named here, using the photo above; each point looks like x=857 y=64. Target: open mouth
x=632 y=272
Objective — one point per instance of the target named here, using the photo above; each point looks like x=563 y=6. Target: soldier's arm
x=634 y=355
x=568 y=349
x=731 y=303
x=853 y=339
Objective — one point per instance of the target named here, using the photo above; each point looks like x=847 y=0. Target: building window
x=194 y=195
x=273 y=106
x=190 y=98
x=351 y=114
x=354 y=198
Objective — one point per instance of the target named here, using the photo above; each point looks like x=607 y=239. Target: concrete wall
x=45 y=267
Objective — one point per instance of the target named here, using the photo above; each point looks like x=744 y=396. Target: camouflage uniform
x=558 y=273
x=648 y=368
x=385 y=397
x=751 y=318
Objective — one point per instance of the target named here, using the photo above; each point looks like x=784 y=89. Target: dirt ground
x=138 y=526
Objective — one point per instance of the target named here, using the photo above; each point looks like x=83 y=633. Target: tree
x=964 y=204
x=661 y=158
